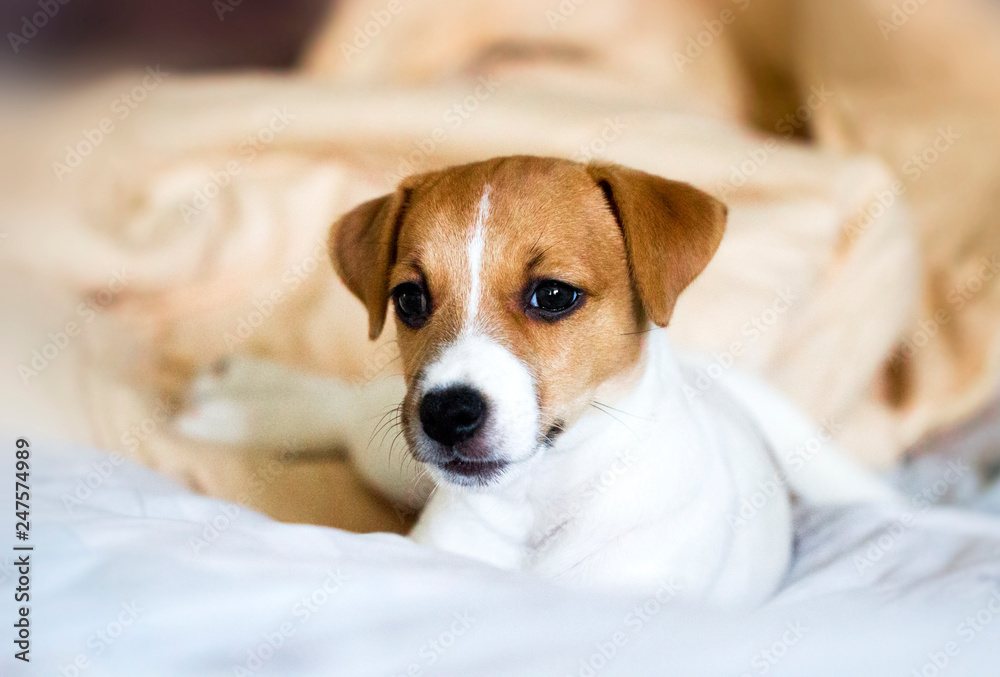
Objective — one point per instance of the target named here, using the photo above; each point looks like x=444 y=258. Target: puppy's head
x=521 y=286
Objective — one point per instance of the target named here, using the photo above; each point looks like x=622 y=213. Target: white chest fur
x=638 y=496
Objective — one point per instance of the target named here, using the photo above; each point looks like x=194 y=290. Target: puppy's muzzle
x=453 y=415
x=455 y=418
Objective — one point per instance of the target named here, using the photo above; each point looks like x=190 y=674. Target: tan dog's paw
x=220 y=403
x=249 y=401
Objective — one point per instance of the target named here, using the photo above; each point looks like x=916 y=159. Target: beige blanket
x=916 y=83
x=194 y=226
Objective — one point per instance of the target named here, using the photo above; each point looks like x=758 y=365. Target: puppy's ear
x=671 y=231
x=362 y=246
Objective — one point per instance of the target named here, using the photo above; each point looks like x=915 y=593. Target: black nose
x=452 y=415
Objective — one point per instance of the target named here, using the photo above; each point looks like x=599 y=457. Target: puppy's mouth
x=473 y=472
x=472 y=464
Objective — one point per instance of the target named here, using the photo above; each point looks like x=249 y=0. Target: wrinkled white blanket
x=141 y=577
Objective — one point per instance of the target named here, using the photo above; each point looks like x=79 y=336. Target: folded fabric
x=142 y=577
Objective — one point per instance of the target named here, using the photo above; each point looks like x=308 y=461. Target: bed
x=143 y=577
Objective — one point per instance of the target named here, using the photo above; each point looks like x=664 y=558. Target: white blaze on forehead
x=477 y=243
x=482 y=363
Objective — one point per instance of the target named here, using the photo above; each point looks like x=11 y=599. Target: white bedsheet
x=131 y=582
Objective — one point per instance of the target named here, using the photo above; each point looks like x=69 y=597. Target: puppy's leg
x=252 y=402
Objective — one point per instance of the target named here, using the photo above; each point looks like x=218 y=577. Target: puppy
x=552 y=414
x=557 y=427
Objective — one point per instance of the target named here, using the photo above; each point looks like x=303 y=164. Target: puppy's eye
x=552 y=298
x=413 y=306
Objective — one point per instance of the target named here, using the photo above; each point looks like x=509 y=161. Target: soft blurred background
x=171 y=170
x=97 y=36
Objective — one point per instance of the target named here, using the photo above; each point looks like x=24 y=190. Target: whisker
x=388 y=461
x=378 y=427
x=388 y=429
x=387 y=410
x=392 y=446
x=383 y=428
x=415 y=480
x=621 y=411
x=384 y=367
x=613 y=417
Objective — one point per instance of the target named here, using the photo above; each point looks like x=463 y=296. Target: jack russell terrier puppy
x=554 y=420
